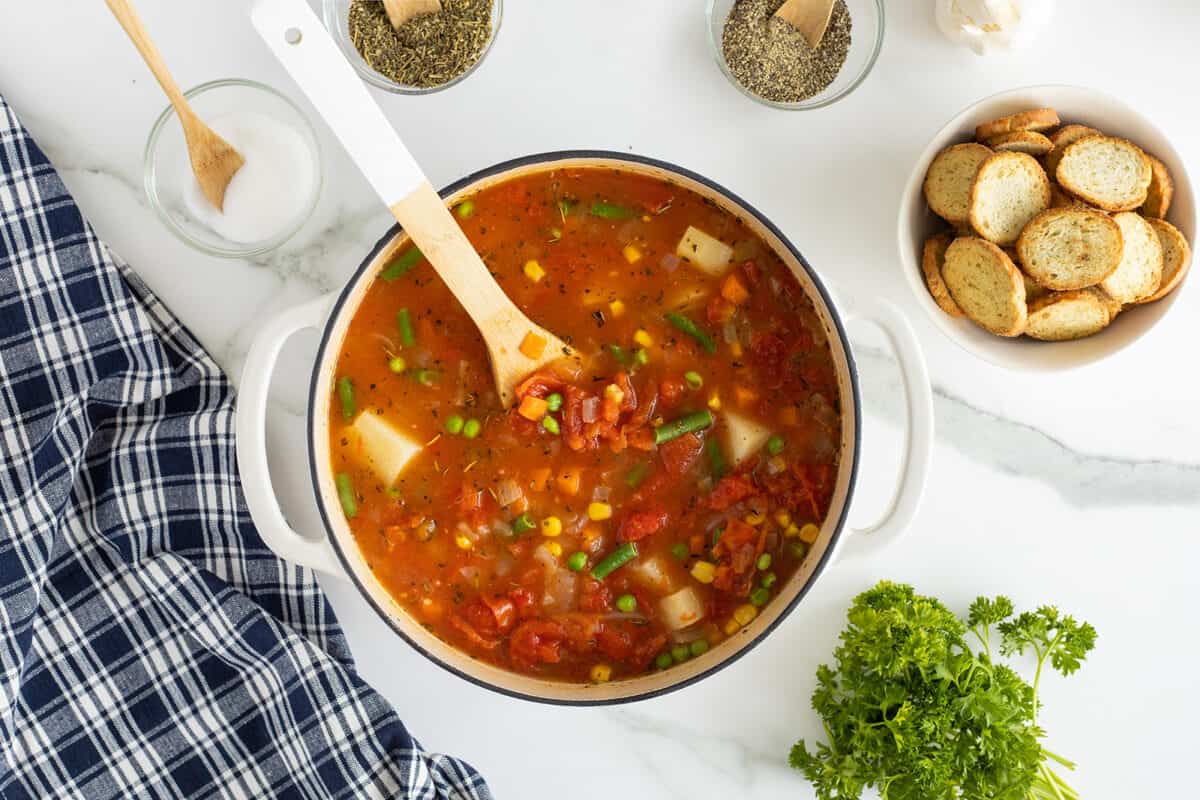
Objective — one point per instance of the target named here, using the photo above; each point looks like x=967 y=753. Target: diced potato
x=378 y=445
x=745 y=437
x=705 y=252
x=653 y=573
x=681 y=609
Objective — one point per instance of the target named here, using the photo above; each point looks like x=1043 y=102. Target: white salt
x=271 y=189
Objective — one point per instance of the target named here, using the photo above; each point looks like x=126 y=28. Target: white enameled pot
x=335 y=551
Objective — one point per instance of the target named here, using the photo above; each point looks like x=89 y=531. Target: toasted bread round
x=1009 y=190
x=1060 y=198
x=1032 y=289
x=1140 y=271
x=1038 y=119
x=948 y=181
x=1113 y=307
x=932 y=258
x=1031 y=142
x=1070 y=248
x=1111 y=174
x=1063 y=137
x=1160 y=192
x=986 y=285
x=1062 y=316
x=1177 y=258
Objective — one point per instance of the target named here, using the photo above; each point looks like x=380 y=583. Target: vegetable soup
x=642 y=500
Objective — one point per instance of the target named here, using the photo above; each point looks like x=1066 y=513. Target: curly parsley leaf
x=1052 y=636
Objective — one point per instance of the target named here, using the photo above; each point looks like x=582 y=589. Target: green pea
x=797 y=549
x=693 y=379
x=522 y=524
x=775 y=445
x=640 y=357
x=551 y=425
x=680 y=653
x=627 y=604
x=764 y=562
x=769 y=580
x=699 y=647
x=664 y=660
x=679 y=550
x=554 y=402
x=471 y=428
x=454 y=425
x=577 y=561
x=465 y=209
x=760 y=596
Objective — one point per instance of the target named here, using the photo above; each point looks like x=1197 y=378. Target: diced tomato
x=615 y=643
x=524 y=602
x=646 y=649
x=536 y=641
x=594 y=596
x=731 y=490
x=657 y=197
x=637 y=525
x=581 y=631
x=503 y=610
x=768 y=351
x=678 y=455
x=671 y=390
x=628 y=393
x=539 y=384
x=719 y=310
x=750 y=272
x=473 y=636
x=736 y=552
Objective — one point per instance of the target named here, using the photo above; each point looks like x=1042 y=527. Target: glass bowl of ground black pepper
x=428 y=53
x=771 y=62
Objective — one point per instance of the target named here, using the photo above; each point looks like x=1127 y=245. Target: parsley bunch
x=912 y=710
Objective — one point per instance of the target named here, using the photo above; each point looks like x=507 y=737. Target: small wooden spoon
x=810 y=17
x=515 y=345
x=214 y=161
x=401 y=11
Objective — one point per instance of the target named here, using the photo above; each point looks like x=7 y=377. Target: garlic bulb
x=986 y=25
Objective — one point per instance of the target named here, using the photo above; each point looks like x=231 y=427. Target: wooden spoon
x=401 y=11
x=810 y=17
x=214 y=161
x=296 y=36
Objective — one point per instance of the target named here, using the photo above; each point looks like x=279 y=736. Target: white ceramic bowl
x=917 y=222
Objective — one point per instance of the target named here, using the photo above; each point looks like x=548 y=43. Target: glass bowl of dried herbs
x=771 y=62
x=426 y=54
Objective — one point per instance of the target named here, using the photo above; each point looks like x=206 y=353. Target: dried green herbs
x=426 y=51
x=769 y=57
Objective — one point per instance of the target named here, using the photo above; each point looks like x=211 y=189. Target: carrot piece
x=789 y=415
x=733 y=291
x=567 y=481
x=539 y=478
x=533 y=345
x=744 y=396
x=533 y=408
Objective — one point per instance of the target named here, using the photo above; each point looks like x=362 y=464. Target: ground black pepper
x=426 y=51
x=769 y=57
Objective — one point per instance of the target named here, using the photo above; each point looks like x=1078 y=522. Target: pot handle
x=918 y=447
x=252 y=441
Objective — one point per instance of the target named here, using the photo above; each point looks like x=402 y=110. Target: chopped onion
x=729 y=333
x=562 y=587
x=470 y=572
x=388 y=345
x=670 y=262
x=508 y=492
x=590 y=410
x=504 y=564
x=546 y=559
x=601 y=494
x=688 y=635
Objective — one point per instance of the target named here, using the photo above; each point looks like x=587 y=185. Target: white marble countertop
x=1081 y=490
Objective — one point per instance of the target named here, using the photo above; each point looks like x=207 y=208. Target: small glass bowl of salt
x=270 y=197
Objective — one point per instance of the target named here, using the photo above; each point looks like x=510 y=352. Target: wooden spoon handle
x=126 y=15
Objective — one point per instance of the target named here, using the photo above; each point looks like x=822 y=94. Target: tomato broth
x=640 y=502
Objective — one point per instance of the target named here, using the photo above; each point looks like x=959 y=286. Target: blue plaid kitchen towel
x=151 y=646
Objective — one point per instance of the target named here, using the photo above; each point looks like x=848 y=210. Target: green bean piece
x=635 y=476
x=664 y=660
x=627 y=604
x=680 y=653
x=620 y=354
x=688 y=423
x=775 y=445
x=617 y=558
x=693 y=379
x=698 y=647
x=679 y=551
x=554 y=402
x=522 y=524
x=716 y=536
x=406 y=329
x=764 y=562
x=551 y=425
x=685 y=325
x=454 y=425
x=401 y=264
x=345 y=487
x=465 y=209
x=577 y=561
x=471 y=428
x=611 y=210
x=760 y=596
x=716 y=458
x=345 y=392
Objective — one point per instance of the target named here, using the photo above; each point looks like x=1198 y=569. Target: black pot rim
x=545 y=158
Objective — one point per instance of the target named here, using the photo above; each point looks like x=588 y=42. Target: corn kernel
x=614 y=393
x=714 y=401
x=463 y=541
x=791 y=531
x=643 y=338
x=745 y=614
x=534 y=271
x=616 y=308
x=555 y=549
x=735 y=349
x=631 y=253
x=704 y=571
x=732 y=627
x=599 y=511
x=551 y=526
x=601 y=673
x=755 y=518
x=783 y=518
x=809 y=533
